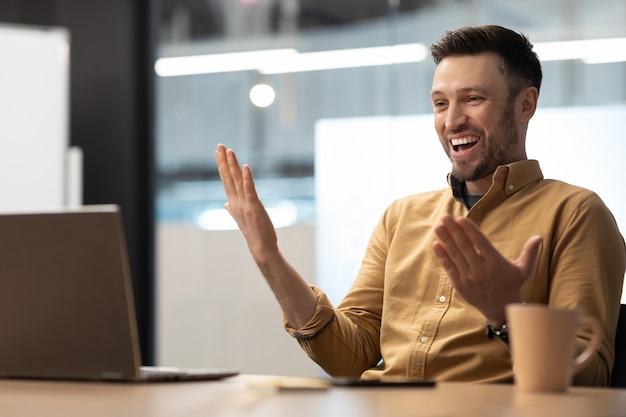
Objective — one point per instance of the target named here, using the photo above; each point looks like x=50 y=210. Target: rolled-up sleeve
x=333 y=341
x=324 y=313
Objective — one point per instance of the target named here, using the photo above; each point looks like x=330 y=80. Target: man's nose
x=455 y=117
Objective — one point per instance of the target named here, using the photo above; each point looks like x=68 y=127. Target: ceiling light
x=262 y=95
x=594 y=51
x=347 y=58
x=288 y=60
x=276 y=61
x=213 y=63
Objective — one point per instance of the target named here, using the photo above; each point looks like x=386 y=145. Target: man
x=429 y=301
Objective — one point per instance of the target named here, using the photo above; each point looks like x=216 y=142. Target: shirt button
x=423 y=339
x=442 y=298
x=511 y=187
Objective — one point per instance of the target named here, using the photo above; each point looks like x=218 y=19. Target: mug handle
x=581 y=360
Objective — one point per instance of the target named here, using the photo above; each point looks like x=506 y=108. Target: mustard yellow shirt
x=403 y=318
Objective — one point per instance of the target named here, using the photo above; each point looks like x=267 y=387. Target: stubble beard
x=497 y=148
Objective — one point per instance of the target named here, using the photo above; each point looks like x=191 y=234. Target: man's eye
x=474 y=99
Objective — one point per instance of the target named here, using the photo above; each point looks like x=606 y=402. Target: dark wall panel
x=111 y=100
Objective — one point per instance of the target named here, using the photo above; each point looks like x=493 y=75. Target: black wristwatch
x=502 y=332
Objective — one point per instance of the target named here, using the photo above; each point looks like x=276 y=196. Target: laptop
x=66 y=302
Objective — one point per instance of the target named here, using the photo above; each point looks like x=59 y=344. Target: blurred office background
x=149 y=131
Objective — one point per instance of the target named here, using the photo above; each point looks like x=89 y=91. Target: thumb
x=526 y=260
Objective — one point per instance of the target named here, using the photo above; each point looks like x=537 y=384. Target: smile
x=462 y=142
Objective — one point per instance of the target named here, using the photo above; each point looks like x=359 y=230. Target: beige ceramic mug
x=543 y=346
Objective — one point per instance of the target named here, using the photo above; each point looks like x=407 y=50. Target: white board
x=34 y=113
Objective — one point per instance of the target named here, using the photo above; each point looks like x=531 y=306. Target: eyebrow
x=464 y=90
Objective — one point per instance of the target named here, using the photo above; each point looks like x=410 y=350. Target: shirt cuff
x=323 y=316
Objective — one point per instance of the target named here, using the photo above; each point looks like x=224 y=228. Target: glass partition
x=311 y=60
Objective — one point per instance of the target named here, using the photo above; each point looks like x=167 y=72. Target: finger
x=220 y=160
x=476 y=239
x=445 y=261
x=526 y=260
x=224 y=170
x=248 y=184
x=456 y=244
x=235 y=171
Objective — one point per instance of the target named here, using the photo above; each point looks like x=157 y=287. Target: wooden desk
x=233 y=397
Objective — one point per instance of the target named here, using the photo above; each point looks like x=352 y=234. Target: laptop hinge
x=112 y=375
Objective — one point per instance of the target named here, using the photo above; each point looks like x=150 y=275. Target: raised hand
x=244 y=204
x=294 y=295
x=481 y=274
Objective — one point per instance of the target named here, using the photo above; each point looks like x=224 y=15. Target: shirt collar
x=511 y=178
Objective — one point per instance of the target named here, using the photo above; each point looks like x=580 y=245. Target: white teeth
x=464 y=141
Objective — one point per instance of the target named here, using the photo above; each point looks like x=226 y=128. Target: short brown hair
x=519 y=63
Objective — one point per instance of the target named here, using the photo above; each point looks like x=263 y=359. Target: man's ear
x=527 y=104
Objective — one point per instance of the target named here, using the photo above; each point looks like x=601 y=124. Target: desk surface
x=237 y=397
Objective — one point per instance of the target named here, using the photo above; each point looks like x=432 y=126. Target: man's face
x=474 y=118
